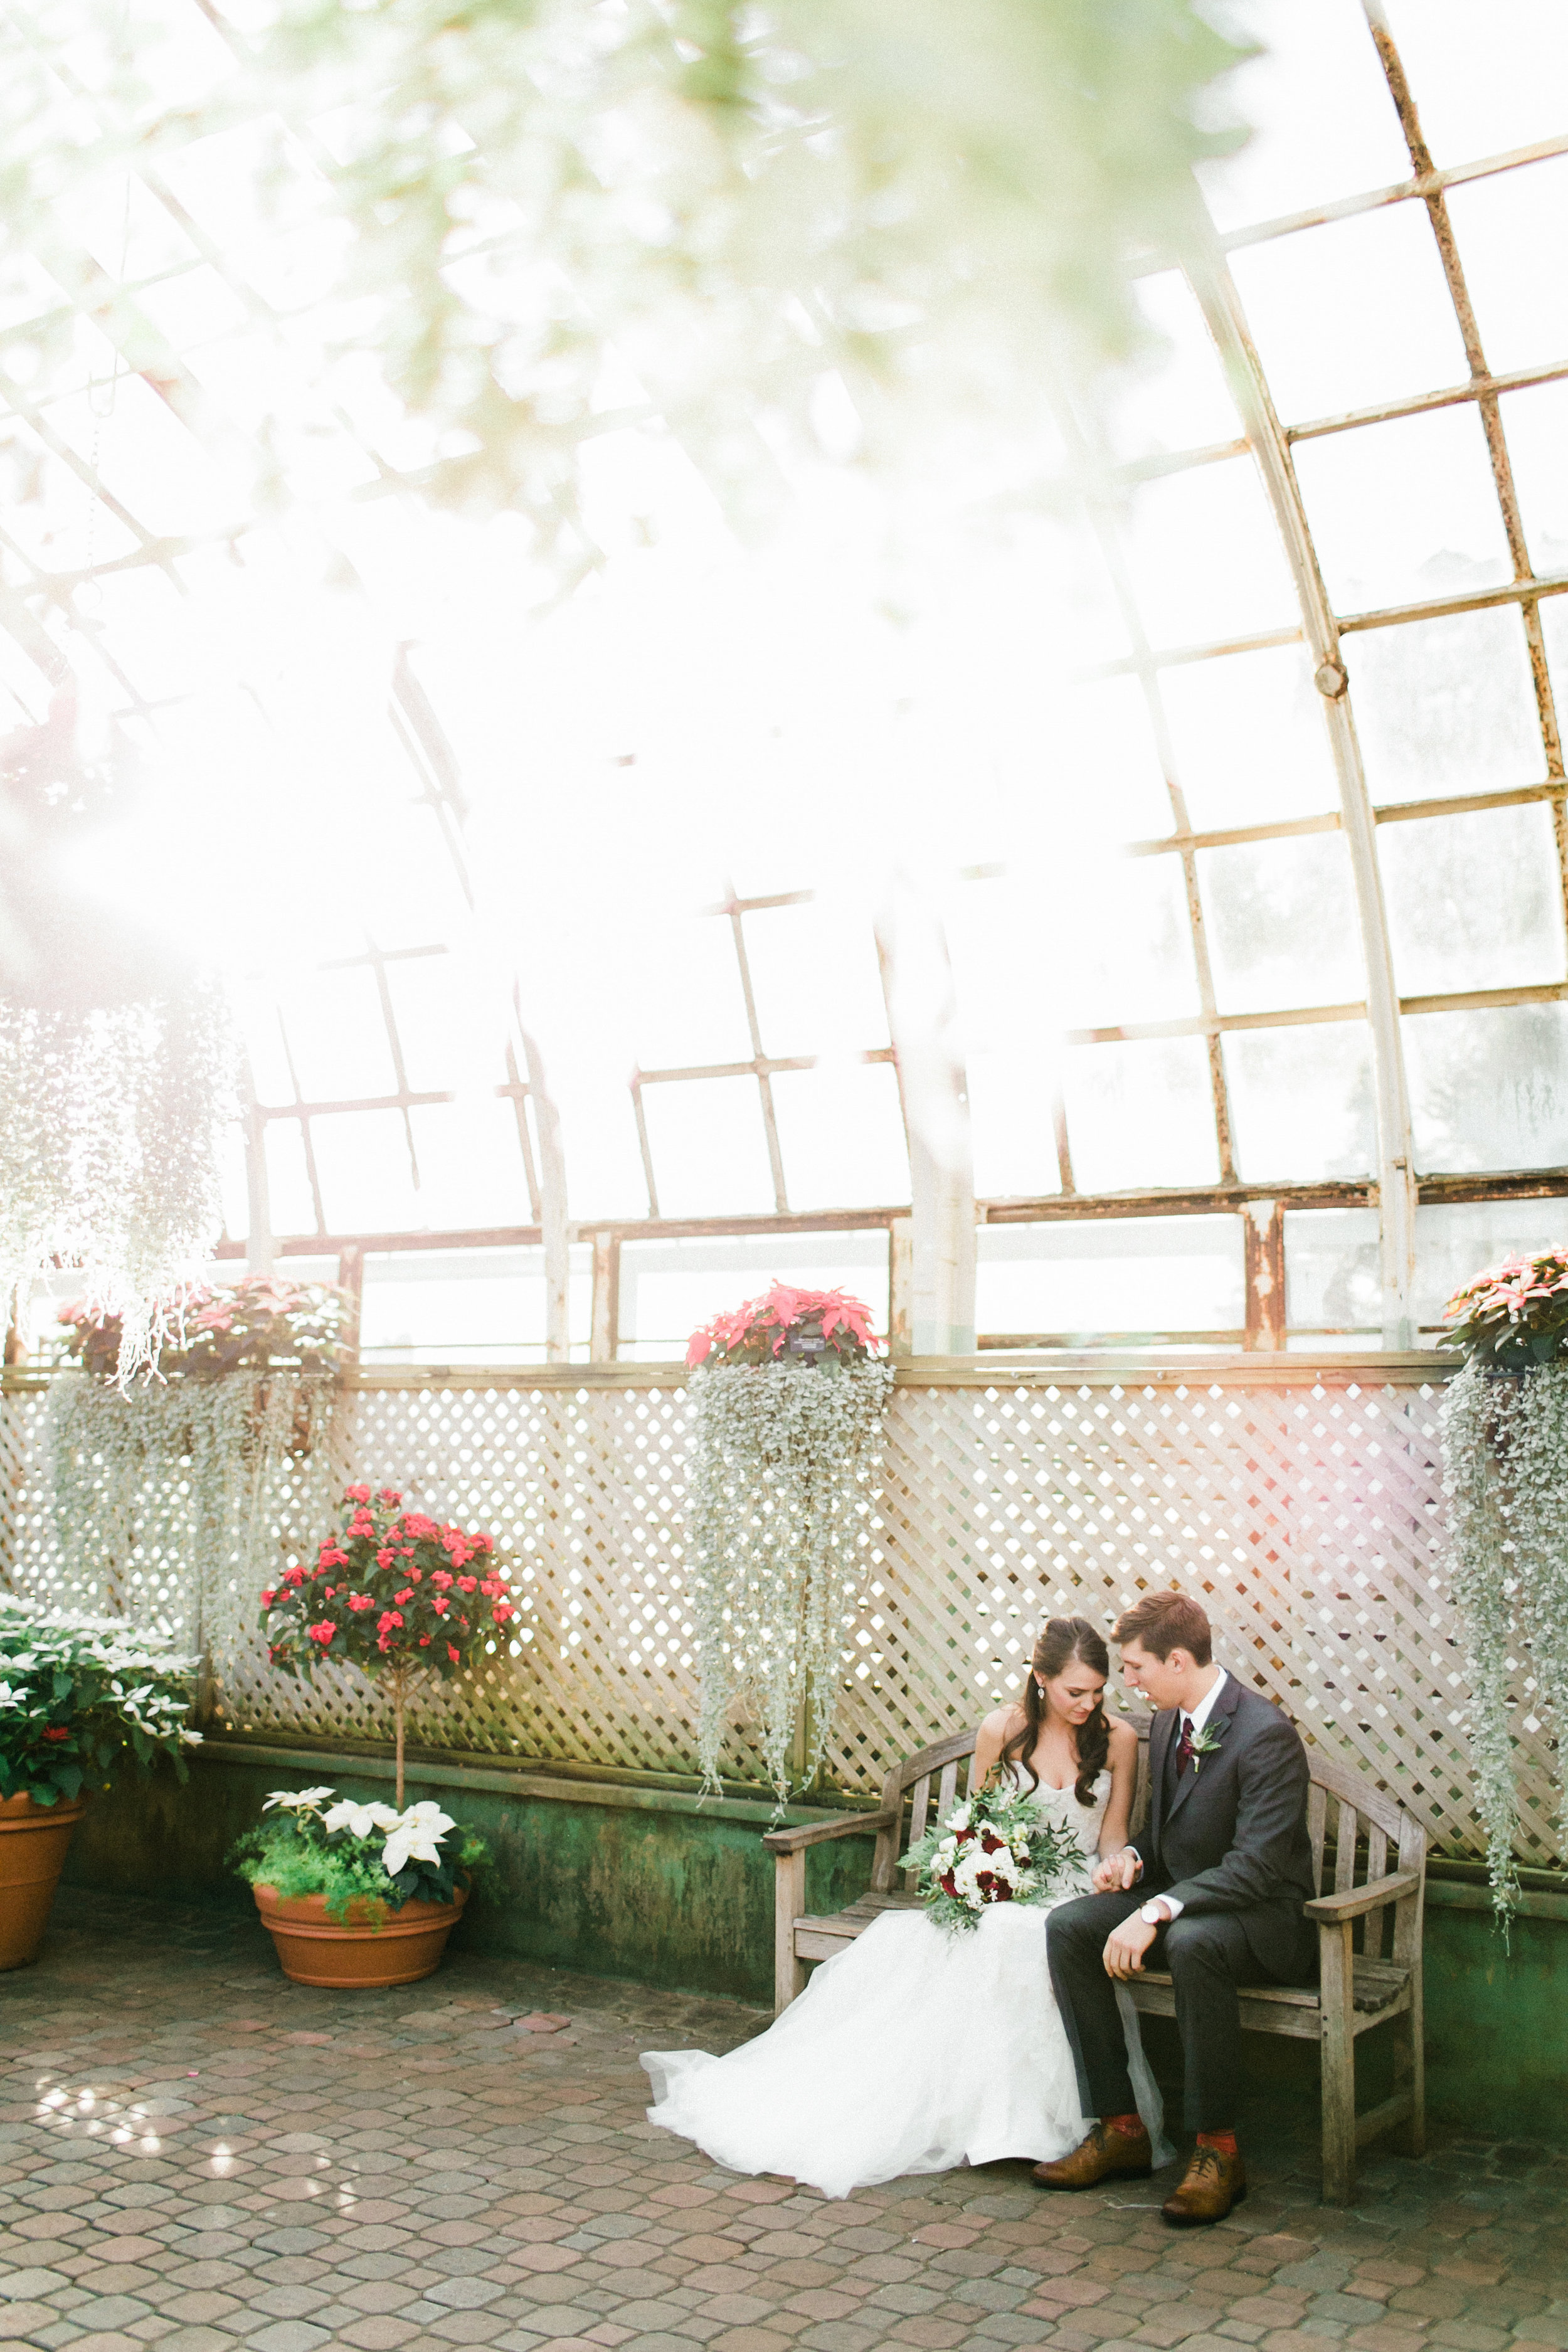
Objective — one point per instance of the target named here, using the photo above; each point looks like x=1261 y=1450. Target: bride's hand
x=1117 y=1873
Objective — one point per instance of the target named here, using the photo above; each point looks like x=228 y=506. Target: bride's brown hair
x=1063 y=1640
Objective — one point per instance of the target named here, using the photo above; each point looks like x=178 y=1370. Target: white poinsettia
x=297 y=1800
x=360 y=1821
x=416 y=1838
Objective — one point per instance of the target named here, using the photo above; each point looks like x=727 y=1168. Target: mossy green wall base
x=645 y=1883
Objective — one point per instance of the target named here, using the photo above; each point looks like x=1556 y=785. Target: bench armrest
x=815 y=1833
x=1333 y=1910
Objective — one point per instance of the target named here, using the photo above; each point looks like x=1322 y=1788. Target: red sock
x=1130 y=2126
x=1223 y=2142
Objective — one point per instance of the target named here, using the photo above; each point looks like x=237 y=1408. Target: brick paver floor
x=193 y=2152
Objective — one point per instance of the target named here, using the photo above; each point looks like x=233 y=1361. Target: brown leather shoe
x=1105 y=2155
x=1212 y=2184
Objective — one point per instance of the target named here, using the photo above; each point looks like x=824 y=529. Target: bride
x=918 y=2048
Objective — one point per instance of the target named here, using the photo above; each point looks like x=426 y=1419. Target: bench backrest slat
x=1316 y=1825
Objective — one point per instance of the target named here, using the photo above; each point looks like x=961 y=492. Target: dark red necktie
x=1185 y=1746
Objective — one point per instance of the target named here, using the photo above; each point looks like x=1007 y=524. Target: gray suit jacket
x=1233 y=1835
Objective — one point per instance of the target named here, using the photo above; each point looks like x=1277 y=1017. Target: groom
x=1213 y=1890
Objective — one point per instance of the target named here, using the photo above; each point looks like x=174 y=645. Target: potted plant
x=1505 y=1479
x=787 y=1396
x=78 y=1696
x=354 y=1895
x=394 y=1595
x=199 y=1464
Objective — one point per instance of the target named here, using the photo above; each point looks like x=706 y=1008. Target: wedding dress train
x=915 y=2049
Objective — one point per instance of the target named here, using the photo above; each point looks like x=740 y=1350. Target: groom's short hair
x=1163 y=1622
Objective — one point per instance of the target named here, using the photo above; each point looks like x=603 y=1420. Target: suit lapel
x=1159 y=1745
x=1224 y=1706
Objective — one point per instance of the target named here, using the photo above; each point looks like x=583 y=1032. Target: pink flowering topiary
x=836 y=1329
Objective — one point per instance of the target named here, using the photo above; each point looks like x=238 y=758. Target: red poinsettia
x=787 y=1325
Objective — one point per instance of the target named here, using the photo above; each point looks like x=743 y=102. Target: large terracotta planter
x=33 y=1841
x=356 y=1955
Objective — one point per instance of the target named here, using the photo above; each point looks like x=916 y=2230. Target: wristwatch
x=1154 y=1913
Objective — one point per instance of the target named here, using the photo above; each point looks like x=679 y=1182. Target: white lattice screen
x=1303 y=1506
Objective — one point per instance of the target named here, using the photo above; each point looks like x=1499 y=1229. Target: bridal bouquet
x=997 y=1847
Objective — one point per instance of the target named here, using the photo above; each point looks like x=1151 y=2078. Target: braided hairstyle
x=1063 y=1640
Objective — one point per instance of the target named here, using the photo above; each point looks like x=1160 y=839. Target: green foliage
x=297 y=1855
x=548 y=216
x=251 y=1325
x=80 y=1696
x=1515 y=1315
x=1505 y=1462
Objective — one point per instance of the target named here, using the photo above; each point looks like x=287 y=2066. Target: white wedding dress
x=915 y=2049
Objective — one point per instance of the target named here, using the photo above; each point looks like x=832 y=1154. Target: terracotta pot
x=33 y=1841
x=357 y=1954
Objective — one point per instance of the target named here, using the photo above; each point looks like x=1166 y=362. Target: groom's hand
x=1125 y=1947
x=1118 y=1872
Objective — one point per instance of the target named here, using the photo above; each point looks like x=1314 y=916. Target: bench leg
x=1339 y=2065
x=789 y=1902
x=1410 y=2074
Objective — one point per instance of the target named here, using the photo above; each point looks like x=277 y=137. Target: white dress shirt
x=1192 y=1724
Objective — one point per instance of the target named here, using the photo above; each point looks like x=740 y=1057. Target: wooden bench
x=1357 y=1989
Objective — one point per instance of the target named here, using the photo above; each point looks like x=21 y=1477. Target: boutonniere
x=1206 y=1742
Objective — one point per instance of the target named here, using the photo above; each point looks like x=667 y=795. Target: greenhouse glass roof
x=1183 y=868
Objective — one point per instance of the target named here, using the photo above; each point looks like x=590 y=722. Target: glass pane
x=1473 y=901
x=1325 y=123
x=1489 y=1089
x=1101 y=736
x=1067 y=1284
x=604 y=1174
x=1403 y=510
x=1301 y=1102
x=1484 y=82
x=1352 y=314
x=1553 y=613
x=337 y=1035
x=1536 y=425
x=1140 y=1114
x=1248 y=736
x=1281 y=923
x=1118 y=948
x=814 y=980
x=1333 y=1284
x=365 y=1174
x=842 y=1136
x=473 y=1307
x=1444 y=706
x=668 y=1288
x=709 y=1146
x=686 y=1003
x=232 y=1176
x=405 y=883
x=1507 y=226
x=470 y=1165
x=449 y=1035
x=1010 y=1116
x=1456 y=1241
x=1181 y=400
x=289 y=1206
x=1204 y=556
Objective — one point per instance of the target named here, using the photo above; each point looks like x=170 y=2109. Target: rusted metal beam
x=1263 y=1261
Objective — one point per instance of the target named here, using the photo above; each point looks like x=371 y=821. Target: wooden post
x=606 y=1322
x=789 y=1902
x=1338 y=1999
x=901 y=1282
x=351 y=1277
x=1263 y=1242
